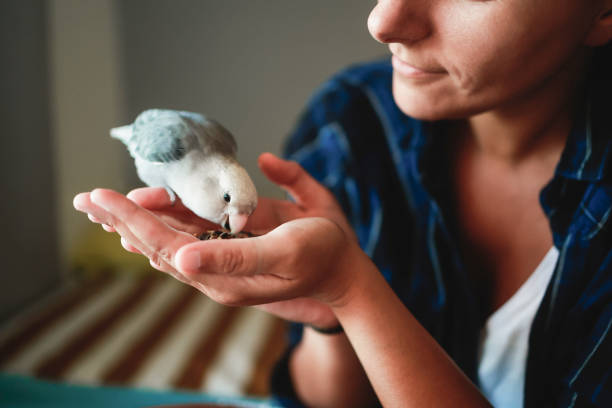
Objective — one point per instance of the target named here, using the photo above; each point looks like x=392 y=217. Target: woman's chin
x=425 y=107
x=436 y=99
x=423 y=112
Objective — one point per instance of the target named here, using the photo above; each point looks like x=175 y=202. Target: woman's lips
x=410 y=71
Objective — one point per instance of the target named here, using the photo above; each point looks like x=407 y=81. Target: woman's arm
x=404 y=364
x=327 y=373
x=316 y=258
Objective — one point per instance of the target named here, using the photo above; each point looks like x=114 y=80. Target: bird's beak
x=237 y=222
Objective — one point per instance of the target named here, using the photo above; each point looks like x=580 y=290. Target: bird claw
x=171 y=194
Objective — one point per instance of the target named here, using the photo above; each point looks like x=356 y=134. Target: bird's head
x=237 y=193
x=217 y=189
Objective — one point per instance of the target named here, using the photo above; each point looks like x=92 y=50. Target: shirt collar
x=588 y=149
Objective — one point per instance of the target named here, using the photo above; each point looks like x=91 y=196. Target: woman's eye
x=227 y=198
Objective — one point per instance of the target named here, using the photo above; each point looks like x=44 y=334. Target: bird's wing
x=212 y=137
x=162 y=136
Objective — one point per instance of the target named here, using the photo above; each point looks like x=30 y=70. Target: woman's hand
x=292 y=261
x=311 y=199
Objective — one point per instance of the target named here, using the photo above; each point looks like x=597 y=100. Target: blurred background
x=72 y=69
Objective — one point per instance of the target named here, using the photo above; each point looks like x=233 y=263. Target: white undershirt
x=504 y=340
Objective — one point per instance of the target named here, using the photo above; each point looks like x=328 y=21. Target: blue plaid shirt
x=388 y=172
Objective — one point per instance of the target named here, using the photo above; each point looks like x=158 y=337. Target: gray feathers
x=161 y=136
x=164 y=136
x=194 y=158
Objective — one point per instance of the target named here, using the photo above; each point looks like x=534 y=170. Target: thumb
x=291 y=177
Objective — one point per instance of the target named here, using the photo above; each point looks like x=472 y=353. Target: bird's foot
x=171 y=194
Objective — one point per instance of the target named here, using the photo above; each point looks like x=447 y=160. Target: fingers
x=161 y=266
x=129 y=247
x=97 y=221
x=229 y=257
x=304 y=189
x=108 y=228
x=236 y=272
x=154 y=198
x=261 y=269
x=266 y=254
x=138 y=225
x=233 y=272
x=174 y=213
x=83 y=202
x=142 y=229
x=127 y=218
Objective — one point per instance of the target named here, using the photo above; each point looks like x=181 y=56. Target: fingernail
x=77 y=201
x=192 y=260
x=96 y=199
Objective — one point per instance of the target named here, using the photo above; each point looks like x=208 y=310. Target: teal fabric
x=27 y=392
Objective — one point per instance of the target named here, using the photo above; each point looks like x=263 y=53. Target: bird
x=192 y=157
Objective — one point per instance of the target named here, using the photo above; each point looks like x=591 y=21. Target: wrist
x=357 y=271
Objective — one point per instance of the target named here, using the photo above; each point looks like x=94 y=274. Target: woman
x=471 y=174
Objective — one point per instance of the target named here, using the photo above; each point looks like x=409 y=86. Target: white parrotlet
x=195 y=158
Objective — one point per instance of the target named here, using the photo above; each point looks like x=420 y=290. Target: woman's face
x=455 y=58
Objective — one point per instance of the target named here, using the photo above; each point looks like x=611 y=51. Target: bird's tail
x=123 y=133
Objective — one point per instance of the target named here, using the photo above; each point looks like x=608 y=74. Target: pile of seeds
x=218 y=234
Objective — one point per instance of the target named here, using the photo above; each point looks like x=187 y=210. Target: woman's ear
x=601 y=31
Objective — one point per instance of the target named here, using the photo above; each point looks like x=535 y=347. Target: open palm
x=310 y=200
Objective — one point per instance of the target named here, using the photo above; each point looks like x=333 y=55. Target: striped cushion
x=150 y=332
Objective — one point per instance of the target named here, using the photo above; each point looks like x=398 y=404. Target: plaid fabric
x=388 y=172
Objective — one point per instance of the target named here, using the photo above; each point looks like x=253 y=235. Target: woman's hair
x=601 y=65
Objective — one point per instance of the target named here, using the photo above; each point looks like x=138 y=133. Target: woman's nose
x=399 y=21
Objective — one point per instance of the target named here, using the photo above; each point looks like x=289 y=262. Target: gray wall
x=28 y=243
x=251 y=64
x=71 y=69
x=86 y=99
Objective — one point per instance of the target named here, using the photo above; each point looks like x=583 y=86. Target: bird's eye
x=227 y=197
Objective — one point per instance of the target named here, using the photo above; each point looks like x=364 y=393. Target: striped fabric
x=150 y=332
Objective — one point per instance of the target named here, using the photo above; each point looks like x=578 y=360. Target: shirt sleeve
x=320 y=143
x=589 y=382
